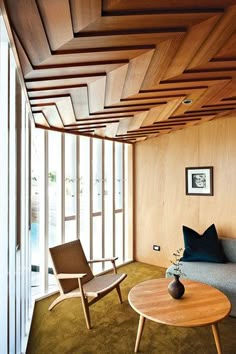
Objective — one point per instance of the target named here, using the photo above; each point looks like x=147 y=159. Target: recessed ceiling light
x=187 y=101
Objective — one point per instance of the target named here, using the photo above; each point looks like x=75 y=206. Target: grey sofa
x=220 y=275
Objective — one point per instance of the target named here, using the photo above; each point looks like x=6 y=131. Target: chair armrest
x=70 y=276
x=112 y=259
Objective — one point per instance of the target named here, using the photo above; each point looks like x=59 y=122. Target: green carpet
x=63 y=330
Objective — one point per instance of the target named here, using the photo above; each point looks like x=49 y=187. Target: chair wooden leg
x=119 y=293
x=86 y=311
x=56 y=301
x=85 y=305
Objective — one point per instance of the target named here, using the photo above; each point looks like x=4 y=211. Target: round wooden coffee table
x=200 y=305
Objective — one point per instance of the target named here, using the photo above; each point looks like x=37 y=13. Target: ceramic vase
x=176 y=288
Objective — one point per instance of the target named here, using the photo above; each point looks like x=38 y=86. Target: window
x=37 y=163
x=85 y=199
x=70 y=187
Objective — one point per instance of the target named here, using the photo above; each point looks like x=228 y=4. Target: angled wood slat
x=31 y=31
x=96 y=93
x=169 y=109
x=136 y=73
x=119 y=40
x=24 y=60
x=137 y=108
x=211 y=92
x=152 y=115
x=123 y=127
x=168 y=21
x=161 y=59
x=140 y=101
x=47 y=99
x=59 y=27
x=45 y=83
x=224 y=29
x=194 y=96
x=121 y=70
x=194 y=38
x=110 y=115
x=114 y=85
x=66 y=111
x=137 y=121
x=227 y=91
x=63 y=105
x=151 y=5
x=220 y=65
x=101 y=131
x=80 y=103
x=204 y=75
x=94 y=55
x=74 y=69
x=53 y=116
x=40 y=119
x=181 y=83
x=171 y=93
x=84 y=12
x=111 y=130
x=228 y=49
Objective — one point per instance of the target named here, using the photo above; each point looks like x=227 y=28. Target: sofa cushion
x=221 y=276
x=229 y=247
x=202 y=248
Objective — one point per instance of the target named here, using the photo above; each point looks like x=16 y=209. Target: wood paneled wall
x=161 y=205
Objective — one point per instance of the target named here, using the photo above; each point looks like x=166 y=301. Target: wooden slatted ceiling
x=121 y=69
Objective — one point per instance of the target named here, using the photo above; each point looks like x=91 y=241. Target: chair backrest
x=70 y=258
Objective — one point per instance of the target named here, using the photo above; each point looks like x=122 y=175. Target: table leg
x=216 y=335
x=139 y=332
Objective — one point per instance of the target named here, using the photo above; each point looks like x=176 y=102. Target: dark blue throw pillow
x=202 y=248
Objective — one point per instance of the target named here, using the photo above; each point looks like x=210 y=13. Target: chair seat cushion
x=102 y=283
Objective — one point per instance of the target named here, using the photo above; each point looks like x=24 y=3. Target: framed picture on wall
x=199 y=180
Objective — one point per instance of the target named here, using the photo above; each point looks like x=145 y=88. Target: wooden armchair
x=75 y=278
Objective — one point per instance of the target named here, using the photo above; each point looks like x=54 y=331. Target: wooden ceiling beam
x=108 y=69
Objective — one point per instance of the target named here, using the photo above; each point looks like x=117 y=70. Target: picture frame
x=199 y=180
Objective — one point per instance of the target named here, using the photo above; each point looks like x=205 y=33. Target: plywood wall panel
x=161 y=206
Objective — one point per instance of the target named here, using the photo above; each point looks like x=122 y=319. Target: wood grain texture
x=96 y=93
x=66 y=111
x=153 y=5
x=136 y=74
x=31 y=31
x=161 y=59
x=59 y=27
x=53 y=116
x=114 y=85
x=200 y=305
x=73 y=69
x=125 y=57
x=167 y=21
x=163 y=207
x=80 y=102
x=152 y=115
x=45 y=83
x=217 y=38
x=118 y=40
x=190 y=45
x=84 y=13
